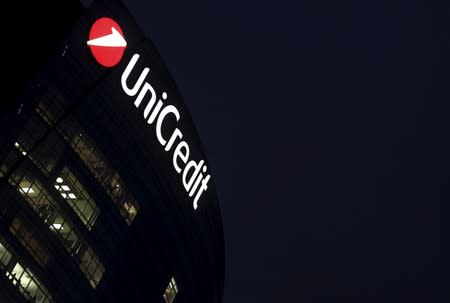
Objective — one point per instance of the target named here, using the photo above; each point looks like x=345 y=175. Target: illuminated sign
x=194 y=182
x=108 y=45
x=106 y=42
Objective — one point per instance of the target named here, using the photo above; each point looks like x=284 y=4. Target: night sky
x=326 y=138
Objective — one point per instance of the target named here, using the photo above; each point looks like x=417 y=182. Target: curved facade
x=106 y=191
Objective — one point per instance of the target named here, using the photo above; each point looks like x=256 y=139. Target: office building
x=106 y=191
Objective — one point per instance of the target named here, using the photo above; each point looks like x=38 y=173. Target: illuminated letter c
x=168 y=109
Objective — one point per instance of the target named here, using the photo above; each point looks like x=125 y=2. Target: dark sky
x=326 y=139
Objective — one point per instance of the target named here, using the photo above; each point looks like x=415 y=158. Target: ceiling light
x=28 y=190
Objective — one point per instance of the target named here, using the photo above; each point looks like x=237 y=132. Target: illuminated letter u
x=133 y=91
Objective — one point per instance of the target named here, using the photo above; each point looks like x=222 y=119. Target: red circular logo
x=106 y=42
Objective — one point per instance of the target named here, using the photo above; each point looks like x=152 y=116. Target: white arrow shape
x=114 y=39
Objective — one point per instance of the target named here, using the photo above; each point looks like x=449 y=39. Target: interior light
x=16 y=145
x=59 y=180
x=72 y=196
x=65 y=187
x=28 y=190
x=57 y=226
x=24 y=153
x=25 y=279
x=64 y=195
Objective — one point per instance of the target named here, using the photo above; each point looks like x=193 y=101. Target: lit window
x=5 y=256
x=27 y=190
x=46 y=207
x=107 y=177
x=77 y=197
x=58 y=222
x=29 y=286
x=30 y=239
x=91 y=266
x=94 y=160
x=171 y=291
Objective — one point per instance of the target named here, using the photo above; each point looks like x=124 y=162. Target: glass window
x=128 y=206
x=91 y=266
x=107 y=177
x=28 y=284
x=5 y=256
x=77 y=197
x=171 y=291
x=13 y=157
x=42 y=147
x=45 y=206
x=33 y=131
x=30 y=239
x=52 y=106
x=47 y=154
x=94 y=160
x=22 y=277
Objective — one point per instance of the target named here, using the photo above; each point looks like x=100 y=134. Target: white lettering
x=155 y=112
x=146 y=88
x=203 y=188
x=133 y=91
x=178 y=154
x=167 y=110
x=192 y=176
x=197 y=167
x=176 y=133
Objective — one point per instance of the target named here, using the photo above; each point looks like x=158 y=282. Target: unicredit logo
x=157 y=110
x=107 y=42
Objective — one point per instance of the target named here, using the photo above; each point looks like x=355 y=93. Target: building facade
x=106 y=192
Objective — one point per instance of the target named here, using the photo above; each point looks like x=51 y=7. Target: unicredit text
x=193 y=174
